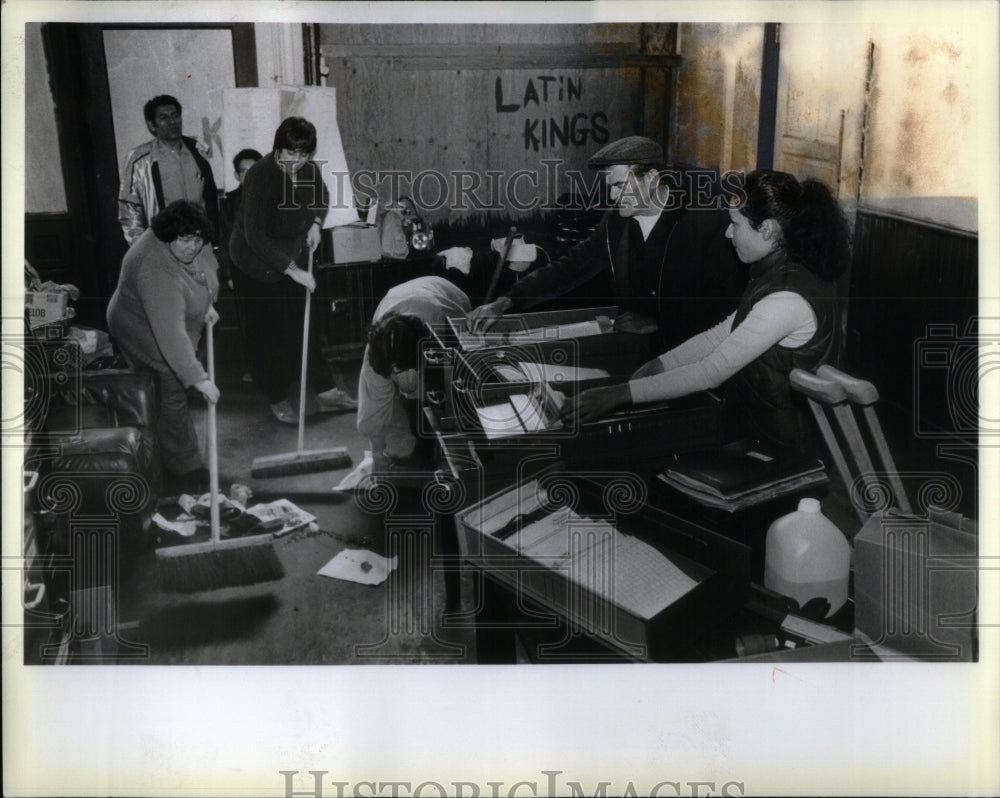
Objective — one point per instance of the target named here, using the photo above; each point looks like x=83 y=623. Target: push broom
x=217 y=563
x=301 y=461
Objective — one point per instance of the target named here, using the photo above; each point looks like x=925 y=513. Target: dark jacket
x=229 y=208
x=270 y=228
x=760 y=401
x=685 y=275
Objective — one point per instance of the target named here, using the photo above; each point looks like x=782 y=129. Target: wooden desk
x=350 y=292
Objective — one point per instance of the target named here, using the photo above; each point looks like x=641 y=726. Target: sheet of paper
x=550 y=372
x=546 y=372
x=359 y=565
x=548 y=538
x=510 y=373
x=500 y=420
x=632 y=574
x=529 y=413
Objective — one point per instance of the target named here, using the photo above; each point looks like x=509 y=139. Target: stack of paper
x=521 y=414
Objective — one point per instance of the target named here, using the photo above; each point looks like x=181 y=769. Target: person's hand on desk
x=485 y=316
x=654 y=366
x=636 y=323
x=301 y=276
x=595 y=403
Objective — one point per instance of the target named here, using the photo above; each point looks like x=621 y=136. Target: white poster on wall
x=250 y=117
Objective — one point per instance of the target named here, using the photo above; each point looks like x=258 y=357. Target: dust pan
x=217 y=563
x=301 y=461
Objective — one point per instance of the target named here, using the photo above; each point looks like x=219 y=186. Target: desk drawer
x=587 y=566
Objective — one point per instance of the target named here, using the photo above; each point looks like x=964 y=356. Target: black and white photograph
x=497 y=399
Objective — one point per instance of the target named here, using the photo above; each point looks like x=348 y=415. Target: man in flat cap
x=672 y=268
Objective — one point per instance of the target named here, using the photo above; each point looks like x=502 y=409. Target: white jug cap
x=809 y=505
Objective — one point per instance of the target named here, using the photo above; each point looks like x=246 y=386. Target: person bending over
x=387 y=386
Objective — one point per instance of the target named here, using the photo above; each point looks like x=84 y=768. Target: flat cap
x=637 y=150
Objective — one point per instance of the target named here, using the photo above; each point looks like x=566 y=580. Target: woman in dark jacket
x=796 y=241
x=284 y=203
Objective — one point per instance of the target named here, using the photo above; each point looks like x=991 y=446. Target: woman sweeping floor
x=278 y=227
x=165 y=292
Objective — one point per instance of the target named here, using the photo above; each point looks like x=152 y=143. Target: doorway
x=90 y=99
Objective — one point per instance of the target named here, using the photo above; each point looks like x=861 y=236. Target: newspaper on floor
x=293 y=517
x=359 y=565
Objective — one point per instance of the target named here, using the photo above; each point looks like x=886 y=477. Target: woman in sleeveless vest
x=796 y=241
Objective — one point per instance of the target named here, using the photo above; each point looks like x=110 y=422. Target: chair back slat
x=831 y=392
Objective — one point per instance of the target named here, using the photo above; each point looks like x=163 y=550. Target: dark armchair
x=94 y=448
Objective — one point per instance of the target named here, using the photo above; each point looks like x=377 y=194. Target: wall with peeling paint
x=919 y=145
x=923 y=141
x=917 y=153
x=718 y=95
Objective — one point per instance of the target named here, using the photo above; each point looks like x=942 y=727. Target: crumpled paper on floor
x=352 y=480
x=359 y=565
x=186 y=528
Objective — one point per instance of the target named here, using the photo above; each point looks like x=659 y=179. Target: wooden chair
x=833 y=394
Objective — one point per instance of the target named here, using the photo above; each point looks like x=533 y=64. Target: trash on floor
x=352 y=480
x=183 y=527
x=188 y=517
x=359 y=565
x=290 y=516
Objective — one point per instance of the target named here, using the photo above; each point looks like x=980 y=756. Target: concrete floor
x=303 y=618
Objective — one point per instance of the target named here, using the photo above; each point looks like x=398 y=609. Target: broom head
x=211 y=566
x=280 y=465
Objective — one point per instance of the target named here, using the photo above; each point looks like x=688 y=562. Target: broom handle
x=499 y=267
x=213 y=447
x=302 y=371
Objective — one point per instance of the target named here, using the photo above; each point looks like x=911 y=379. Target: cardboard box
x=604 y=580
x=355 y=243
x=915 y=585
x=45 y=307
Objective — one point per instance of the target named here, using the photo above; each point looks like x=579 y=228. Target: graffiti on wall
x=550 y=107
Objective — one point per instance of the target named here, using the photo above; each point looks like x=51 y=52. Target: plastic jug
x=806 y=557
